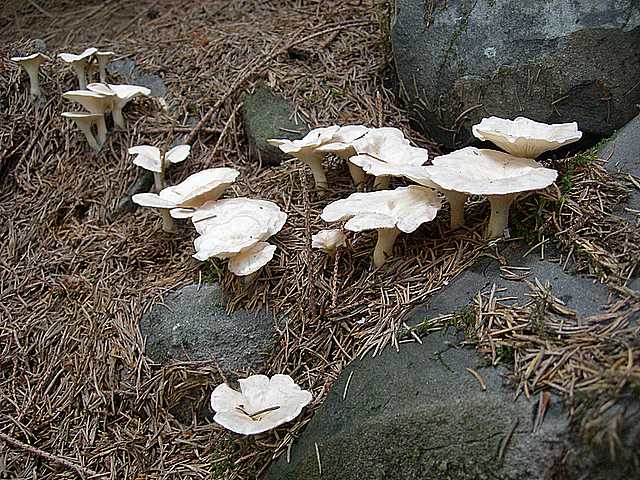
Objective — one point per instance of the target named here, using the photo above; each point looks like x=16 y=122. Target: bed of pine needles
x=78 y=397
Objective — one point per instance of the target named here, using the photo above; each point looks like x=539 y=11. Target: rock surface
x=192 y=325
x=129 y=73
x=622 y=153
x=267 y=115
x=420 y=414
x=550 y=60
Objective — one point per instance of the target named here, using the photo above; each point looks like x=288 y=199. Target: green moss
x=211 y=272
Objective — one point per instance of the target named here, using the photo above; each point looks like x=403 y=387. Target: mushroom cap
x=147 y=157
x=122 y=93
x=343 y=139
x=92 y=101
x=33 y=59
x=405 y=208
x=151 y=200
x=200 y=187
x=82 y=117
x=214 y=216
x=83 y=57
x=524 y=137
x=238 y=235
x=310 y=142
x=107 y=55
x=376 y=138
x=257 y=394
x=390 y=158
x=488 y=172
x=252 y=259
x=328 y=240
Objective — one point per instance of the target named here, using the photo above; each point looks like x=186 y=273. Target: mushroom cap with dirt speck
x=488 y=172
x=343 y=139
x=72 y=57
x=404 y=208
x=123 y=93
x=309 y=143
x=262 y=403
x=252 y=259
x=240 y=234
x=214 y=215
x=524 y=137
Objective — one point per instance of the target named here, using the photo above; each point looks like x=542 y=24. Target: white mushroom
x=182 y=199
x=151 y=159
x=382 y=149
x=261 y=405
x=103 y=59
x=236 y=229
x=387 y=211
x=329 y=241
x=85 y=121
x=120 y=96
x=526 y=138
x=79 y=64
x=342 y=146
x=95 y=103
x=498 y=175
x=306 y=149
x=31 y=64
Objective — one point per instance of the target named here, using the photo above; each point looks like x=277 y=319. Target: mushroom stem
x=456 y=203
x=248 y=280
x=315 y=163
x=85 y=128
x=168 y=225
x=102 y=67
x=34 y=81
x=118 y=117
x=499 y=214
x=79 y=68
x=102 y=130
x=384 y=246
x=158 y=181
x=357 y=174
x=381 y=182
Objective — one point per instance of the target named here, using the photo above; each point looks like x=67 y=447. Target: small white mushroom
x=120 y=96
x=526 y=138
x=387 y=211
x=342 y=146
x=103 y=59
x=249 y=261
x=383 y=148
x=329 y=241
x=95 y=103
x=150 y=158
x=184 y=198
x=306 y=150
x=79 y=64
x=85 y=121
x=262 y=404
x=498 y=175
x=31 y=65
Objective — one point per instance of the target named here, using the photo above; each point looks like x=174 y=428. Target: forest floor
x=74 y=381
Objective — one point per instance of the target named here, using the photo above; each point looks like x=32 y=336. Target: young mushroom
x=103 y=59
x=183 y=199
x=526 y=138
x=85 y=121
x=79 y=64
x=342 y=146
x=262 y=403
x=120 y=95
x=383 y=149
x=150 y=158
x=329 y=241
x=31 y=65
x=498 y=175
x=306 y=150
x=95 y=103
x=387 y=211
x=236 y=229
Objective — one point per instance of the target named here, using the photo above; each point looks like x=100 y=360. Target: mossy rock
x=268 y=115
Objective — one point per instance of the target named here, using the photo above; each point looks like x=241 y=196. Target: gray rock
x=550 y=60
x=131 y=74
x=622 y=153
x=125 y=204
x=267 y=115
x=419 y=414
x=192 y=325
